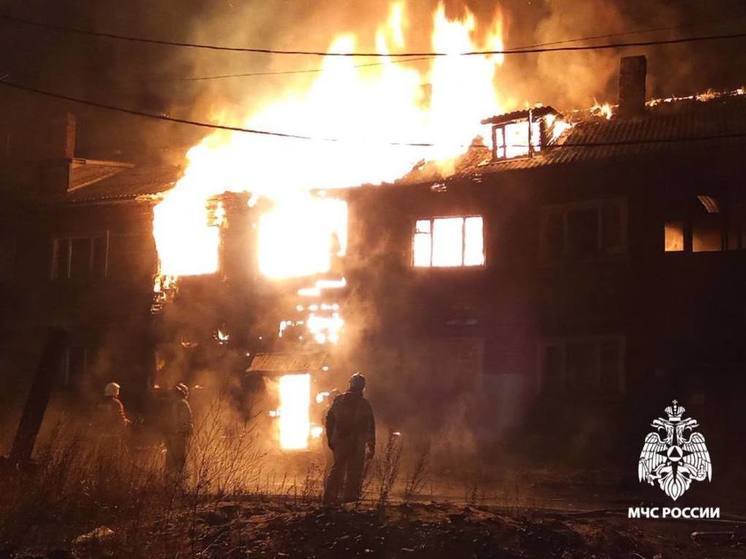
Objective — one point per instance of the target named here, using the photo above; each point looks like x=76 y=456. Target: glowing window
x=448 y=242
x=512 y=139
x=674 y=236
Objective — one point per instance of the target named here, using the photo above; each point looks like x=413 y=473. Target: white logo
x=677 y=458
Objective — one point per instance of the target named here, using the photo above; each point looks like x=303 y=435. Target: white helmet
x=112 y=389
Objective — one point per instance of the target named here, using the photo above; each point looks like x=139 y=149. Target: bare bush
x=388 y=468
x=418 y=475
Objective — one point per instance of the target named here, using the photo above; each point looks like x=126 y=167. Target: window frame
x=562 y=343
x=603 y=249
x=432 y=220
x=64 y=244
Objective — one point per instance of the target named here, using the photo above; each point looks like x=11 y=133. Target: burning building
x=486 y=264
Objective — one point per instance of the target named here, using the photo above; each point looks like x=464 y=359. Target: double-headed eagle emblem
x=674 y=454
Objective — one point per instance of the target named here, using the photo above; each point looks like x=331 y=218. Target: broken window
x=523 y=133
x=447 y=242
x=513 y=139
x=590 y=364
x=80 y=258
x=584 y=229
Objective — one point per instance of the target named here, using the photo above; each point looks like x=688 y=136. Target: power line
x=423 y=58
x=189 y=122
x=536 y=50
x=287 y=135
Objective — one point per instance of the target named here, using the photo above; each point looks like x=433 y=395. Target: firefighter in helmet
x=179 y=432
x=111 y=421
x=351 y=435
x=113 y=418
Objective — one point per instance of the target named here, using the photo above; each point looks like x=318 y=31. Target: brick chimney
x=632 y=74
x=57 y=150
x=62 y=136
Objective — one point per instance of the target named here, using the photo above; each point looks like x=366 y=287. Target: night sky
x=150 y=77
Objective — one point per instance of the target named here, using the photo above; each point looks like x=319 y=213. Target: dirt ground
x=236 y=529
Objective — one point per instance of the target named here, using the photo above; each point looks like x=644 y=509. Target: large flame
x=365 y=109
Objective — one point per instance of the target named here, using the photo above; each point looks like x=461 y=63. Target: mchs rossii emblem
x=674 y=454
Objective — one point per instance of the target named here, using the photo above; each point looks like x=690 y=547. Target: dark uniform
x=179 y=433
x=111 y=416
x=350 y=430
x=110 y=423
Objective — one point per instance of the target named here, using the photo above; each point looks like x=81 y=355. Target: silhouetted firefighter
x=179 y=433
x=351 y=434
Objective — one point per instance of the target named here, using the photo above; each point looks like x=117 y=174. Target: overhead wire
x=292 y=52
x=288 y=135
x=424 y=58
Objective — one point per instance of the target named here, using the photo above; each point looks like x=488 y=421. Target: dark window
x=582 y=232
x=553 y=234
x=590 y=364
x=584 y=229
x=707 y=233
x=76 y=362
x=80 y=259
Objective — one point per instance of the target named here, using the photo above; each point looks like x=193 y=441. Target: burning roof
x=669 y=125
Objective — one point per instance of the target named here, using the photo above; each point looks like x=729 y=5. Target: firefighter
x=111 y=420
x=179 y=432
x=351 y=435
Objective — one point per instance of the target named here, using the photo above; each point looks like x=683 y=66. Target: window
x=706 y=224
x=448 y=242
x=76 y=362
x=512 y=139
x=80 y=258
x=673 y=236
x=707 y=235
x=584 y=229
x=590 y=364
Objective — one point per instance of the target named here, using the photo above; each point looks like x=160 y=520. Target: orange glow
x=674 y=236
x=604 y=110
x=448 y=242
x=301 y=236
x=367 y=109
x=294 y=412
